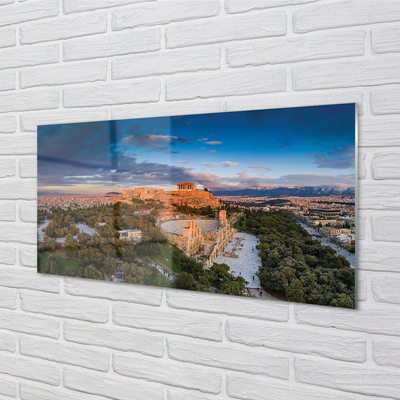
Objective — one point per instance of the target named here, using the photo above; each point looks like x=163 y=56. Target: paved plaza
x=248 y=261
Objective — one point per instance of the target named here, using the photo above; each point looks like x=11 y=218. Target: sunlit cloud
x=229 y=164
x=214 y=143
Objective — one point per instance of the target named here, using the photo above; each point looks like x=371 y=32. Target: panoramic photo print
x=258 y=203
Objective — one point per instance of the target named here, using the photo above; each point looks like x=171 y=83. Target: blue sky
x=305 y=146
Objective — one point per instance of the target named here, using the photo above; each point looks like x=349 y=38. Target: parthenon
x=186 y=186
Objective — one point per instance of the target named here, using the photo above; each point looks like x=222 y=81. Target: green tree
x=90 y=272
x=231 y=287
x=133 y=273
x=184 y=281
x=295 y=292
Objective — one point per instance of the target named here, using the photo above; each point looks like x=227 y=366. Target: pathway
x=248 y=261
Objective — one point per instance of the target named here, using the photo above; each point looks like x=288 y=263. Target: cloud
x=187 y=162
x=209 y=164
x=338 y=158
x=213 y=143
x=153 y=142
x=203 y=148
x=180 y=140
x=229 y=164
x=258 y=167
x=244 y=180
x=212 y=151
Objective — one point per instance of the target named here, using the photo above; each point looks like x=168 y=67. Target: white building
x=131 y=234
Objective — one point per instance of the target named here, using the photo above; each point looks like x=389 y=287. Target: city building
x=131 y=234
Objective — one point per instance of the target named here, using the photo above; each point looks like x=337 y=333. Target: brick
x=283 y=100
x=162 y=13
x=29 y=100
x=386 y=165
x=346 y=74
x=373 y=320
x=226 y=84
x=8 y=298
x=166 y=109
x=242 y=307
x=361 y=226
x=362 y=169
x=7 y=80
x=30 y=121
x=385 y=352
x=362 y=288
x=27 y=391
x=18 y=189
x=272 y=23
x=332 y=45
x=8 y=124
x=116 y=44
x=71 y=6
x=30 y=324
x=7 y=211
x=386 y=228
x=248 y=387
x=18 y=145
x=229 y=357
x=116 y=93
x=340 y=346
x=385 y=101
x=17 y=13
x=385 y=39
x=8 y=167
x=8 y=387
x=111 y=386
x=8 y=37
x=64 y=353
x=168 y=372
x=27 y=368
x=62 y=74
x=28 y=212
x=29 y=56
x=344 y=13
x=7 y=255
x=58 y=306
x=14 y=232
x=114 y=338
x=23 y=278
x=63 y=28
x=379 y=257
x=385 y=289
x=237 y=6
x=348 y=377
x=28 y=168
x=379 y=131
x=28 y=256
x=168 y=62
x=162 y=320
x=184 y=395
x=126 y=292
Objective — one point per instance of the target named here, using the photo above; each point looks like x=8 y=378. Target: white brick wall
x=74 y=60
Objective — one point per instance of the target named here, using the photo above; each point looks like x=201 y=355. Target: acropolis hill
x=186 y=193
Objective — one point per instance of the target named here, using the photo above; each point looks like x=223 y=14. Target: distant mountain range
x=299 y=191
